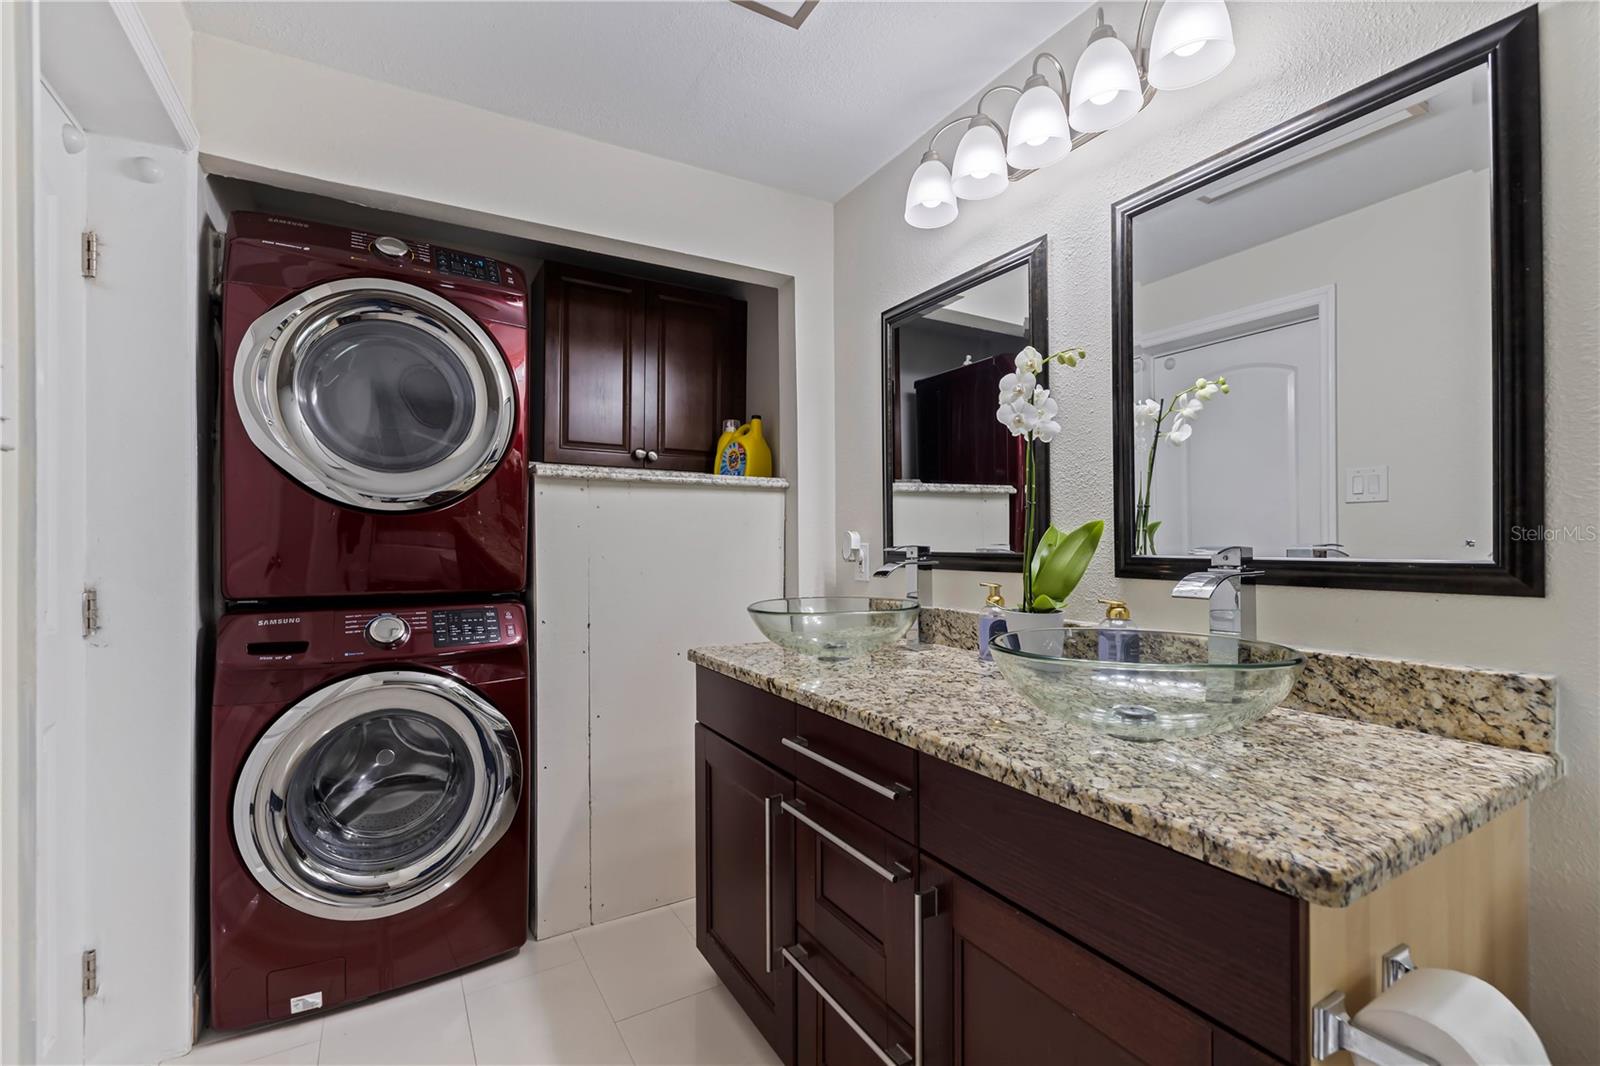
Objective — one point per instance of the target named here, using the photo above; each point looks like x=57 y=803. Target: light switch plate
x=1366 y=484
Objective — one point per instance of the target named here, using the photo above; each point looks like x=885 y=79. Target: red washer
x=374 y=415
x=369 y=802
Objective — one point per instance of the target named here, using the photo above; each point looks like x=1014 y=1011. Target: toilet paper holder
x=1332 y=1030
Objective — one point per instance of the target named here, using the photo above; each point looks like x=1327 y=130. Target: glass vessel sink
x=1176 y=685
x=834 y=628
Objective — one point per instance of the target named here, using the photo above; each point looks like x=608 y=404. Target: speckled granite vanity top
x=1319 y=807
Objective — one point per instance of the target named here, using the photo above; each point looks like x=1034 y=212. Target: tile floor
x=631 y=991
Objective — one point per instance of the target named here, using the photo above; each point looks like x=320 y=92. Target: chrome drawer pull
x=894 y=791
x=899 y=873
x=896 y=1056
x=770 y=812
x=925 y=905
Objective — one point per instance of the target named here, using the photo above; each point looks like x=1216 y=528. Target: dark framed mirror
x=952 y=474
x=1328 y=341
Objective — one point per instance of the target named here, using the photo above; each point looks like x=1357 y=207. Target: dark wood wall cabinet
x=869 y=904
x=636 y=372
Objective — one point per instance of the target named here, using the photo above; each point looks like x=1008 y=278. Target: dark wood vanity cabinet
x=636 y=368
x=744 y=875
x=1042 y=936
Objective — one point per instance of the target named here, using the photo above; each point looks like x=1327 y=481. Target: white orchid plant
x=1173 y=421
x=1052 y=567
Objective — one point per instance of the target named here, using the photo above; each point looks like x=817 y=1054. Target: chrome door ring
x=269 y=404
x=283 y=868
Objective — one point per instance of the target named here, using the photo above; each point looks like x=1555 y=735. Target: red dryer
x=369 y=799
x=373 y=415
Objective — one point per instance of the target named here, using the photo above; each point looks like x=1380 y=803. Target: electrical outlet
x=857 y=551
x=862 y=573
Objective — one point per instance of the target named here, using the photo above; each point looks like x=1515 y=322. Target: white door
x=1258 y=468
x=60 y=872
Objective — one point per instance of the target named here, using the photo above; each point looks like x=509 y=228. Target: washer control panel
x=388 y=631
x=466 y=626
x=466 y=265
x=393 y=247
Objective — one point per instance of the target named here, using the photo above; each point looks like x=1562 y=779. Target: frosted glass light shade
x=1038 y=133
x=930 y=201
x=1193 y=41
x=980 y=165
x=1105 y=86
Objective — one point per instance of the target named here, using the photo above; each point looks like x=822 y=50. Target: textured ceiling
x=814 y=110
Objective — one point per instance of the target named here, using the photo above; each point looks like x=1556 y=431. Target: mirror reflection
x=957 y=473
x=1313 y=344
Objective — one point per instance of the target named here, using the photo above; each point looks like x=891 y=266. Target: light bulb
x=1192 y=41
x=930 y=202
x=1038 y=134
x=980 y=164
x=1105 y=85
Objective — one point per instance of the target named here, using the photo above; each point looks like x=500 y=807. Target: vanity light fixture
x=930 y=201
x=1106 y=90
x=1191 y=42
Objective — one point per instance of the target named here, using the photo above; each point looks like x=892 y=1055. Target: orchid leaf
x=1151 y=527
x=1060 y=560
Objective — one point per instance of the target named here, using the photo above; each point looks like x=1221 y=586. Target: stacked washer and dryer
x=370 y=740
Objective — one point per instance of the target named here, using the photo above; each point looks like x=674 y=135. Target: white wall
x=1294 y=56
x=627 y=577
x=262 y=111
x=1413 y=337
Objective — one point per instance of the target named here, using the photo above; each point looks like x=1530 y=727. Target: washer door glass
x=375 y=794
x=380 y=792
x=376 y=394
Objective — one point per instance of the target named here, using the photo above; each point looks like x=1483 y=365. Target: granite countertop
x=1319 y=807
x=575 y=472
x=938 y=488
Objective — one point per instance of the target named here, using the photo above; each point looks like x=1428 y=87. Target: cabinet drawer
x=853 y=895
x=874 y=777
x=755 y=720
x=837 y=1021
x=1227 y=947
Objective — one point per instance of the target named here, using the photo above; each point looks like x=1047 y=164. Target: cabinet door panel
x=823 y=1036
x=1004 y=989
x=594 y=369
x=696 y=374
x=744 y=907
x=861 y=920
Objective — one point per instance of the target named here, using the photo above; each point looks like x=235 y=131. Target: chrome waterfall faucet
x=913 y=559
x=1227 y=587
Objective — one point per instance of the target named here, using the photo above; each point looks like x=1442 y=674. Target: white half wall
x=628 y=577
x=265 y=112
x=1292 y=57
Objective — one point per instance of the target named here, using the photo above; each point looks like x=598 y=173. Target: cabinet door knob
x=639 y=454
x=651 y=457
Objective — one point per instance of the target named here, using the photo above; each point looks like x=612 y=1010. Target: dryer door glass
x=385 y=395
x=376 y=394
x=375 y=794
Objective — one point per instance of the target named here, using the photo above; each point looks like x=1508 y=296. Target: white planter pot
x=1016 y=620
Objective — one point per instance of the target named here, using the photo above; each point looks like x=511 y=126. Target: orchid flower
x=1018 y=386
x=1030 y=361
x=1179 y=432
x=1145 y=412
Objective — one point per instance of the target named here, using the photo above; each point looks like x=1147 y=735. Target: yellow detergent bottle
x=730 y=426
x=745 y=453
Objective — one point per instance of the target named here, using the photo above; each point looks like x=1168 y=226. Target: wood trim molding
x=143 y=42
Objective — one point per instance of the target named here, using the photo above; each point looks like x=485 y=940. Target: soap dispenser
x=991 y=620
x=1119 y=640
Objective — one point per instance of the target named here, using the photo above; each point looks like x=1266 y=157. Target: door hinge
x=91 y=974
x=91 y=612
x=91 y=253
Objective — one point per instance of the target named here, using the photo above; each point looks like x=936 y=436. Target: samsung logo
x=288 y=222
x=277 y=621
